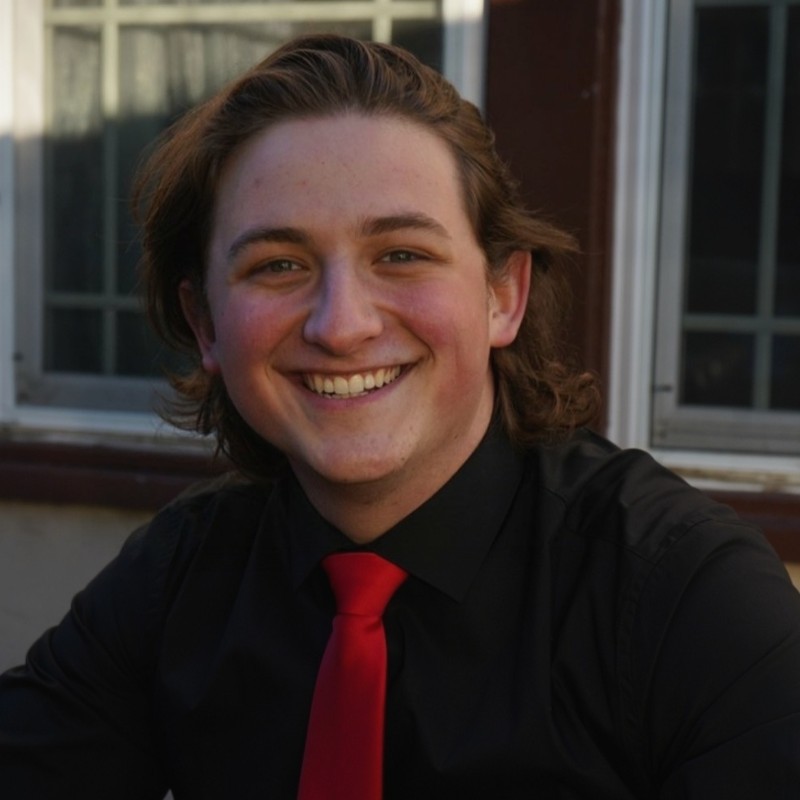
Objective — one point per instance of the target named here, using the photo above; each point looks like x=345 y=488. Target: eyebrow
x=414 y=220
x=255 y=235
x=373 y=226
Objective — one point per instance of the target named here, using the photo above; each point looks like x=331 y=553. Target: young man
x=374 y=322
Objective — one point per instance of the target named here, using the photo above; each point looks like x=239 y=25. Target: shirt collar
x=443 y=542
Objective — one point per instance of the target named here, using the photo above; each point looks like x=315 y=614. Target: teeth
x=355 y=385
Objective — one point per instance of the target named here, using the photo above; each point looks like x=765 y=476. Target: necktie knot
x=362 y=583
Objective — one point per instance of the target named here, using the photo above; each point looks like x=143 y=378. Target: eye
x=402 y=257
x=280 y=266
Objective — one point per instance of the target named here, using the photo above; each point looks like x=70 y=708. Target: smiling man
x=347 y=310
x=427 y=579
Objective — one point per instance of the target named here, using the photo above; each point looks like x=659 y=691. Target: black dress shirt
x=578 y=624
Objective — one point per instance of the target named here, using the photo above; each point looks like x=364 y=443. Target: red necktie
x=343 y=758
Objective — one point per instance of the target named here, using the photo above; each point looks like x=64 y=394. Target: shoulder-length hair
x=539 y=395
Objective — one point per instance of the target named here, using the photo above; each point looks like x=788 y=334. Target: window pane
x=787 y=284
x=75 y=340
x=786 y=373
x=727 y=146
x=139 y=351
x=424 y=37
x=717 y=369
x=74 y=146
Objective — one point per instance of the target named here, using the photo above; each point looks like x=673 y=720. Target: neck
x=364 y=511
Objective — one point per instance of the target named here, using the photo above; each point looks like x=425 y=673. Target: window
x=86 y=85
x=727 y=359
x=662 y=295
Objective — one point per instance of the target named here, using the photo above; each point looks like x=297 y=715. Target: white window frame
x=639 y=148
x=22 y=93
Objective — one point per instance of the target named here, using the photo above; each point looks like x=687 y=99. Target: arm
x=718 y=663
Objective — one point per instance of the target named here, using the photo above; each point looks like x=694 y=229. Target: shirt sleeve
x=718 y=668
x=76 y=719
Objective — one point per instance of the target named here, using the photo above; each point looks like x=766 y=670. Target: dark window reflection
x=787 y=285
x=718 y=369
x=785 y=394
x=726 y=173
x=82 y=349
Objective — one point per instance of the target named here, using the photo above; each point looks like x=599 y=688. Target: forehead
x=390 y=158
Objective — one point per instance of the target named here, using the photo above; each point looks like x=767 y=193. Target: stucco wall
x=47 y=553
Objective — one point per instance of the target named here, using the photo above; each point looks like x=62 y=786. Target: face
x=349 y=313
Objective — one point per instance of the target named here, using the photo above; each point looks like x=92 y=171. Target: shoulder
x=213 y=522
x=228 y=506
x=625 y=497
x=705 y=623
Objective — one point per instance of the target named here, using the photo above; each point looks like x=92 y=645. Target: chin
x=350 y=471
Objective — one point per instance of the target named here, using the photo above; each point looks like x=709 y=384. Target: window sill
x=142 y=479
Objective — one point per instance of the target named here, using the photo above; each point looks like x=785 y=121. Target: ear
x=197 y=314
x=509 y=298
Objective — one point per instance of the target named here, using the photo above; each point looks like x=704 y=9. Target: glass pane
x=727 y=150
x=785 y=394
x=74 y=148
x=717 y=369
x=423 y=37
x=74 y=341
x=138 y=351
x=787 y=287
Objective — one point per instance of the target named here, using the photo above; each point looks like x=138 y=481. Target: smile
x=353 y=386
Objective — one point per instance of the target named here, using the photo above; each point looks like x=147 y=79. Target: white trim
x=464 y=58
x=734 y=472
x=29 y=124
x=638 y=148
x=102 y=429
x=7 y=240
x=242 y=13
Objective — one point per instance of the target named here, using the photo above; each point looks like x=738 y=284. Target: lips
x=355 y=385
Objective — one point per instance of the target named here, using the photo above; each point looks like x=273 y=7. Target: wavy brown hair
x=539 y=396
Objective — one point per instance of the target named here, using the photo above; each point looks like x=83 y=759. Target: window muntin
x=728 y=333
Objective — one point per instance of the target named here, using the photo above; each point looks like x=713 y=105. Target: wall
x=47 y=554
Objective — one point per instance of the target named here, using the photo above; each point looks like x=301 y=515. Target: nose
x=343 y=315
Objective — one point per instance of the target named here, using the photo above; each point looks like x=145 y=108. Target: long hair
x=539 y=395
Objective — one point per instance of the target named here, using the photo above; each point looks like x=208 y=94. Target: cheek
x=457 y=337
x=242 y=334
x=460 y=326
x=250 y=319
